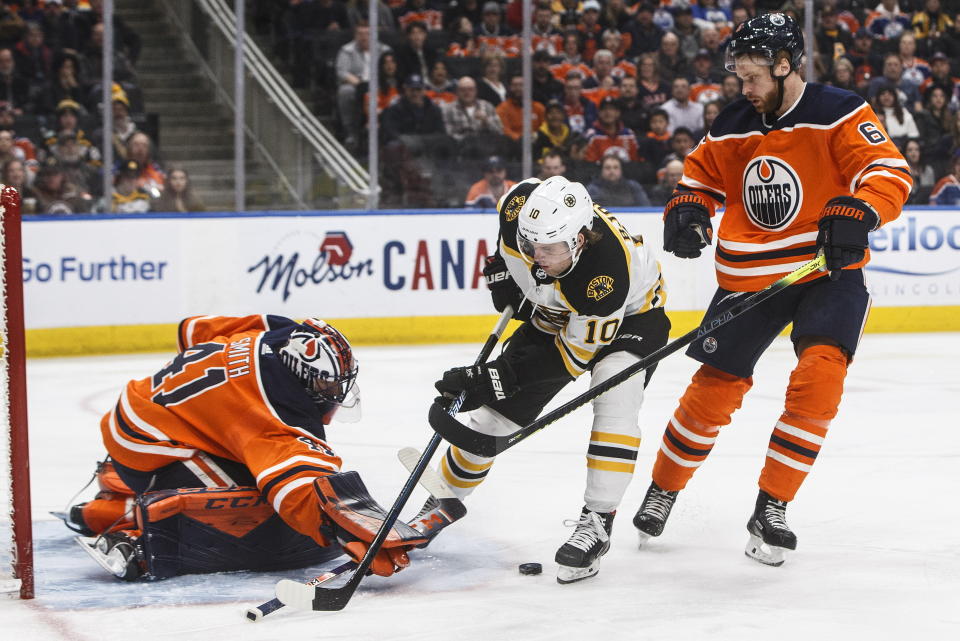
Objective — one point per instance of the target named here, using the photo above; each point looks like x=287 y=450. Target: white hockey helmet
x=555 y=212
x=321 y=357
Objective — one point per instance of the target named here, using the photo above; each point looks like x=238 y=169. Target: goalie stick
x=430 y=481
x=307 y=597
x=459 y=435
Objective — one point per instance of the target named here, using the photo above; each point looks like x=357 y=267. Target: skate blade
x=642 y=539
x=115 y=564
x=567 y=574
x=765 y=553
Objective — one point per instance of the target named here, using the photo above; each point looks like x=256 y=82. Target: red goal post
x=15 y=519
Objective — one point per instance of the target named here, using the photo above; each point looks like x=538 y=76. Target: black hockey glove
x=483 y=384
x=504 y=290
x=844 y=224
x=686 y=225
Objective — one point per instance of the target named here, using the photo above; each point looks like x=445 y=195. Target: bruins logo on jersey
x=600 y=287
x=512 y=209
x=772 y=194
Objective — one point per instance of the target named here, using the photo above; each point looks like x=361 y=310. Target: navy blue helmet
x=766 y=35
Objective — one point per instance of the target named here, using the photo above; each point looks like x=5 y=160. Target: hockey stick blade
x=459 y=435
x=430 y=481
x=271 y=606
x=319 y=598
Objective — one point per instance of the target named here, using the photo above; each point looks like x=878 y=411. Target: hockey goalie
x=219 y=460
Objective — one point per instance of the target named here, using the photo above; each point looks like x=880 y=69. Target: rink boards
x=121 y=283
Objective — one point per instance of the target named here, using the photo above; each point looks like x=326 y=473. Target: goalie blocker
x=354 y=518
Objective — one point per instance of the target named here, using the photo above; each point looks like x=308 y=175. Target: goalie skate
x=770 y=536
x=435 y=515
x=441 y=509
x=579 y=557
x=118 y=553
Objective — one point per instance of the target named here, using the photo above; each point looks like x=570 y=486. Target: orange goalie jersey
x=226 y=393
x=773 y=181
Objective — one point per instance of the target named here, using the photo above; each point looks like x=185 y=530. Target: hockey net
x=16 y=539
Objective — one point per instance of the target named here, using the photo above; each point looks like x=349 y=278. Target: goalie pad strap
x=345 y=500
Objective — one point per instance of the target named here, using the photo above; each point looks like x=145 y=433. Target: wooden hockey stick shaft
x=330 y=599
x=463 y=437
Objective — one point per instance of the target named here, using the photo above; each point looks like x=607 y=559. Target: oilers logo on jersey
x=772 y=192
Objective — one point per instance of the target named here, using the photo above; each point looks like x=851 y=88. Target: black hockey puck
x=531 y=568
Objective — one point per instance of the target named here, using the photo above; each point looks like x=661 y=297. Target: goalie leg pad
x=189 y=531
x=108 y=479
x=110 y=510
x=106 y=513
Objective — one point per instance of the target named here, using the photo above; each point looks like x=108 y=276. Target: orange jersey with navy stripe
x=227 y=394
x=774 y=179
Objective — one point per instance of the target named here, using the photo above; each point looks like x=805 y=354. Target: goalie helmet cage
x=16 y=535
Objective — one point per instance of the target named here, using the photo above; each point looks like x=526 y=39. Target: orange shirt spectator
x=418 y=11
x=511 y=110
x=562 y=70
x=597 y=95
x=609 y=136
x=486 y=193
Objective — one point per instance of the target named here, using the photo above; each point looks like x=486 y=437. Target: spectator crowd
x=51 y=125
x=622 y=90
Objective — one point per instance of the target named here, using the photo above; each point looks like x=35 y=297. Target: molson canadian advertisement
x=403 y=276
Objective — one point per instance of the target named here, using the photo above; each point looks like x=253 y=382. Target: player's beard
x=766 y=102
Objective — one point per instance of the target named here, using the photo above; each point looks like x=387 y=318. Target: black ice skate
x=435 y=515
x=579 y=557
x=119 y=553
x=652 y=515
x=770 y=536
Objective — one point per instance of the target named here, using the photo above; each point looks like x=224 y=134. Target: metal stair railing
x=291 y=139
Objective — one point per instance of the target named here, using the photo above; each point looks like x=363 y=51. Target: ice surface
x=877 y=521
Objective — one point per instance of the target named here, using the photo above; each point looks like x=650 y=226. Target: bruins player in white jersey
x=591 y=297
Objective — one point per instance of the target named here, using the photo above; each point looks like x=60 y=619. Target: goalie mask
x=549 y=225
x=320 y=356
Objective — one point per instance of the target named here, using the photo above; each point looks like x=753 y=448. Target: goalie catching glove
x=844 y=225
x=504 y=290
x=354 y=518
x=686 y=225
x=483 y=384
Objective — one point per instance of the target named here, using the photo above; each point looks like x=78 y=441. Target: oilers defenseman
x=800 y=168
